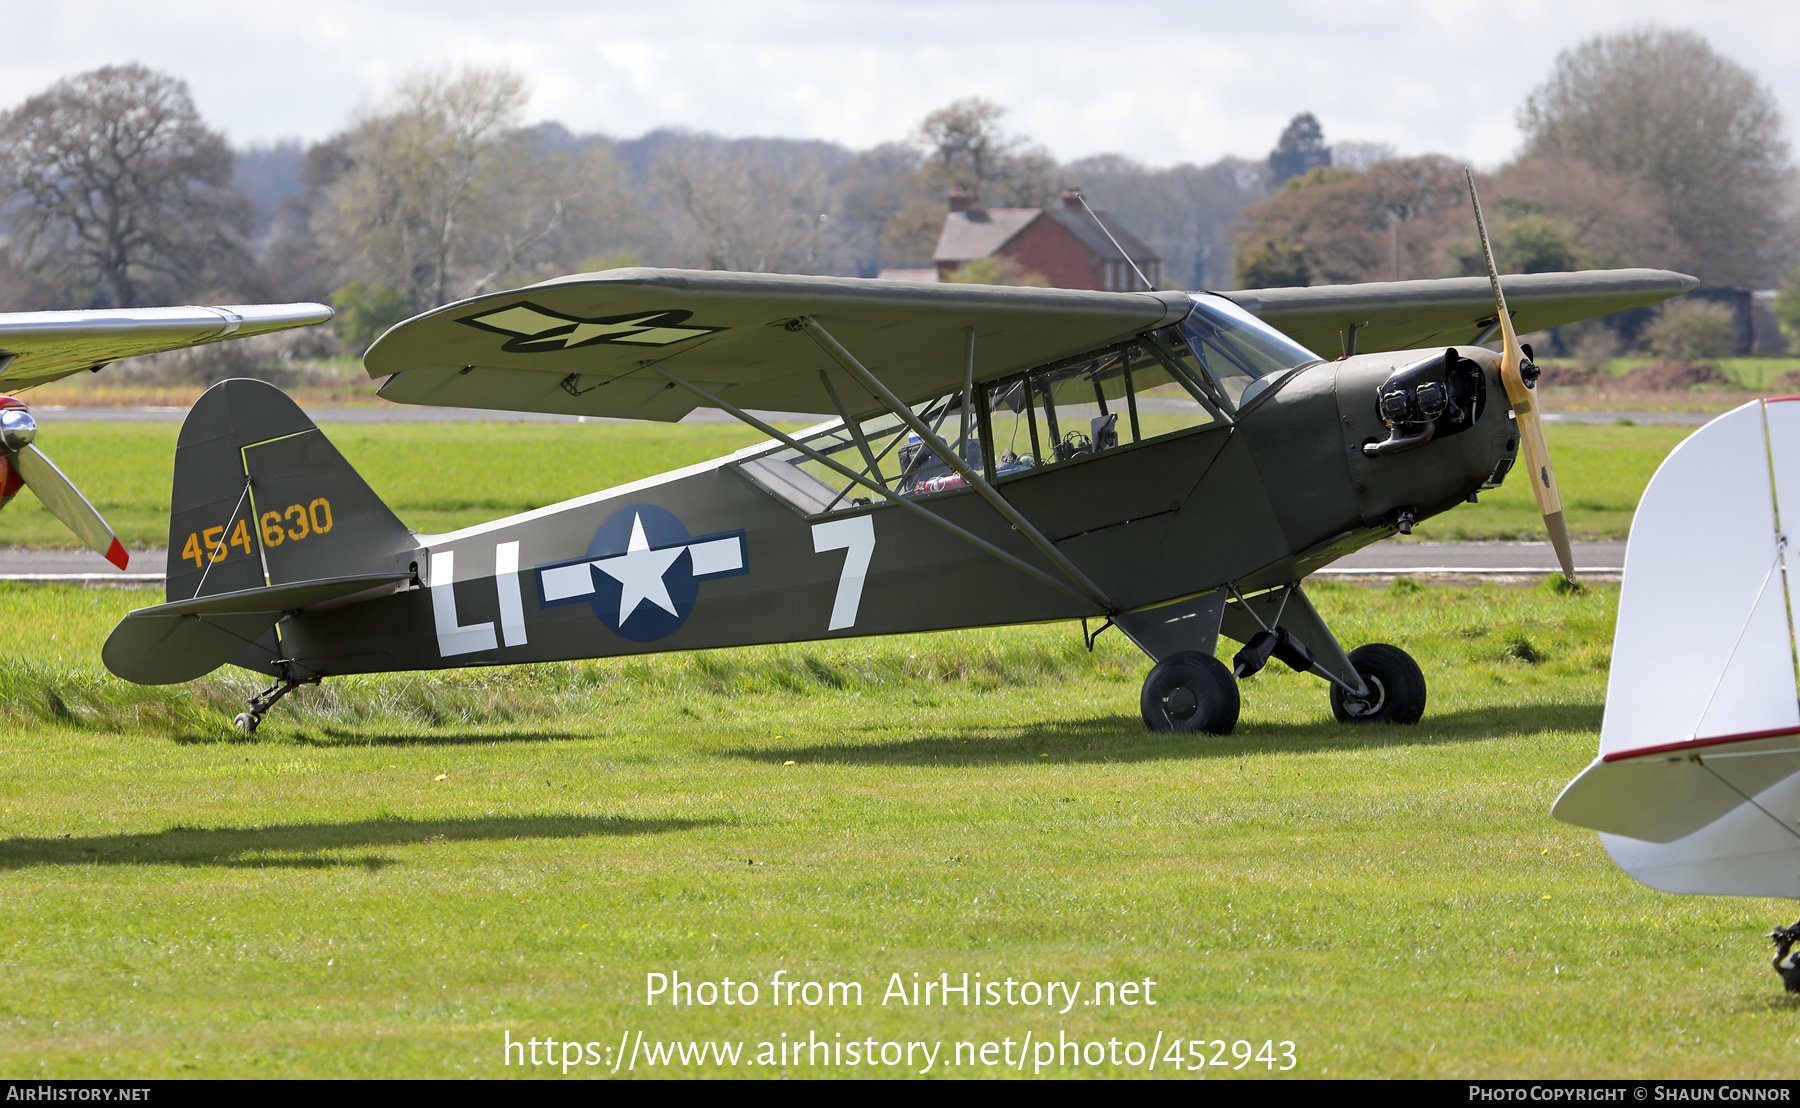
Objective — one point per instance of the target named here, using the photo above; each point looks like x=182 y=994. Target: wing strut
x=976 y=481
x=832 y=463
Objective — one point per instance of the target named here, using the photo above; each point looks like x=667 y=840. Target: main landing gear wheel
x=1190 y=691
x=1393 y=678
x=246 y=722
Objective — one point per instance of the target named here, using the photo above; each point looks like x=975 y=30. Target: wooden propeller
x=1524 y=404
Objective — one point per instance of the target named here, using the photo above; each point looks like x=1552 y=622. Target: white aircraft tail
x=1697 y=785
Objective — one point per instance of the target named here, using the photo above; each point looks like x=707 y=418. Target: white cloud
x=1159 y=80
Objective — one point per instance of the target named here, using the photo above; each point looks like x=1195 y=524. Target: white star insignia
x=639 y=572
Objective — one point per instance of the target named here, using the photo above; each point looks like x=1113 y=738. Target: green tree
x=1273 y=265
x=363 y=313
x=1527 y=243
x=1691 y=330
x=1787 y=309
x=1387 y=221
x=1703 y=130
x=995 y=270
x=1300 y=148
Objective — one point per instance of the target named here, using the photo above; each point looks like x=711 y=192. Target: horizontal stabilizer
x=165 y=650
x=1663 y=795
x=185 y=639
x=276 y=598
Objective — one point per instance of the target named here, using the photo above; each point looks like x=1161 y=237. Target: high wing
x=578 y=345
x=582 y=345
x=39 y=347
x=1401 y=315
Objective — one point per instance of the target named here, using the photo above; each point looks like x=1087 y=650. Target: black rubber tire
x=1190 y=692
x=1396 y=680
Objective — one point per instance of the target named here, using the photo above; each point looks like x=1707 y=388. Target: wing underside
x=582 y=345
x=1403 y=315
x=40 y=347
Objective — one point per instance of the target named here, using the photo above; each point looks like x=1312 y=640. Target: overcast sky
x=1160 y=81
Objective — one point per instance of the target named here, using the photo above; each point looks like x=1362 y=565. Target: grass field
x=398 y=872
x=440 y=476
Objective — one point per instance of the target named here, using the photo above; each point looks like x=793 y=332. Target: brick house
x=1063 y=244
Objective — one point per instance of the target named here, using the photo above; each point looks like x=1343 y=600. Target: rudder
x=261 y=497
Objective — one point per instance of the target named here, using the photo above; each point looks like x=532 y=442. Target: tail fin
x=262 y=498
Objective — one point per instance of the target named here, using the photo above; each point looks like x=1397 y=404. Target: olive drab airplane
x=1166 y=463
x=39 y=347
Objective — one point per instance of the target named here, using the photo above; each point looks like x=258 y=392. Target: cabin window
x=1242 y=355
x=888 y=453
x=1182 y=377
x=1116 y=397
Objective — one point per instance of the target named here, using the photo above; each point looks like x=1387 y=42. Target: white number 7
x=855 y=535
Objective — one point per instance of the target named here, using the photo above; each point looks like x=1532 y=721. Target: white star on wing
x=639 y=572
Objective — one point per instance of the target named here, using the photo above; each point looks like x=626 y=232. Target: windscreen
x=1242 y=353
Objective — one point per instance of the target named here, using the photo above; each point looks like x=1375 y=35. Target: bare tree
x=1699 y=127
x=112 y=174
x=438 y=194
x=1184 y=212
x=746 y=208
x=965 y=146
x=1612 y=219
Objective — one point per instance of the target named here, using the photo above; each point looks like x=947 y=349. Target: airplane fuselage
x=705 y=557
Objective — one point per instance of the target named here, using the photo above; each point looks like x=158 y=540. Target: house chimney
x=1072 y=200
x=959 y=199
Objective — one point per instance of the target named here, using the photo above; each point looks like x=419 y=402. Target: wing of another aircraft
x=580 y=345
x=39 y=347
x=1401 y=315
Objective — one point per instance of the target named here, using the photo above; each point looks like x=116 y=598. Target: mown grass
x=1601 y=470
x=397 y=871
x=441 y=476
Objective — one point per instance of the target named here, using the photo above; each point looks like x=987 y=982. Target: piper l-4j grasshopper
x=39 y=347
x=1171 y=464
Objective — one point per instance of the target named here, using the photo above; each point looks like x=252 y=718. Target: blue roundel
x=642 y=570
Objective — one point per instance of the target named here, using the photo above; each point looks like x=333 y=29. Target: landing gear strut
x=1784 y=939
x=260 y=704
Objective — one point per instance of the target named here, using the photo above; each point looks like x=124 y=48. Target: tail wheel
x=1190 y=692
x=1396 y=687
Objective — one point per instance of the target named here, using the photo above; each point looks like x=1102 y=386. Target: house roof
x=981 y=232
x=1083 y=230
